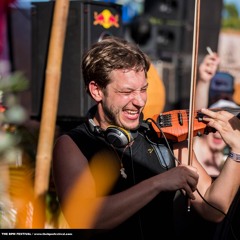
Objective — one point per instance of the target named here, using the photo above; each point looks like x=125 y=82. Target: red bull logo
x=106 y=19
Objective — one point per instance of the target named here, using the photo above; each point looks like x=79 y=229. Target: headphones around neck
x=114 y=135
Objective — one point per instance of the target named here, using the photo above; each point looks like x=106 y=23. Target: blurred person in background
x=211 y=150
x=214 y=89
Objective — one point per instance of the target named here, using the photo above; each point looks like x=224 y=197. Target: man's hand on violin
x=208 y=67
x=227 y=125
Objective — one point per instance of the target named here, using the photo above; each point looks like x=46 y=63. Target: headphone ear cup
x=118 y=137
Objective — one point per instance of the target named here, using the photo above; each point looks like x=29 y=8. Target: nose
x=139 y=99
x=217 y=134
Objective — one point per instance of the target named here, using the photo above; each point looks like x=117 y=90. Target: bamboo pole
x=50 y=100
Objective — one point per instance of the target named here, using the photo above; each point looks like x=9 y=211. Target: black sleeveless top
x=142 y=160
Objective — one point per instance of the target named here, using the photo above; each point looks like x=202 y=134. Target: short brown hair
x=110 y=54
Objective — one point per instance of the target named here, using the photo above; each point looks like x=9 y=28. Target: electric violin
x=174 y=124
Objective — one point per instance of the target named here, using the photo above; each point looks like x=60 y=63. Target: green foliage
x=13 y=83
x=231 y=19
x=230 y=11
x=232 y=23
x=12 y=113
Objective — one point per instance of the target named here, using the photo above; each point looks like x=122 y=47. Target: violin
x=174 y=124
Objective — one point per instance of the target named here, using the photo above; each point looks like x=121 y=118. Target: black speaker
x=88 y=22
x=171 y=40
x=209 y=28
x=165 y=9
x=173 y=22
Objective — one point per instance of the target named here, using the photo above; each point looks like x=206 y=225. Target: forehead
x=123 y=77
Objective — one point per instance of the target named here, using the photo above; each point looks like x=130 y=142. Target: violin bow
x=193 y=80
x=193 y=86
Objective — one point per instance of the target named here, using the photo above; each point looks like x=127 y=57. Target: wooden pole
x=50 y=100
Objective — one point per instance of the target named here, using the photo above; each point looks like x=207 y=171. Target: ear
x=95 y=91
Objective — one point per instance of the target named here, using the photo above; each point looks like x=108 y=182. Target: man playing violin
x=112 y=172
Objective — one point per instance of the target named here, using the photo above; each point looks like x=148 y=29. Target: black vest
x=142 y=160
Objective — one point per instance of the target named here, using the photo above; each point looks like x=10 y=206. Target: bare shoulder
x=63 y=139
x=64 y=143
x=66 y=151
x=67 y=164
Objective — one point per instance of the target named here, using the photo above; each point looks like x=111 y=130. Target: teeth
x=132 y=112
